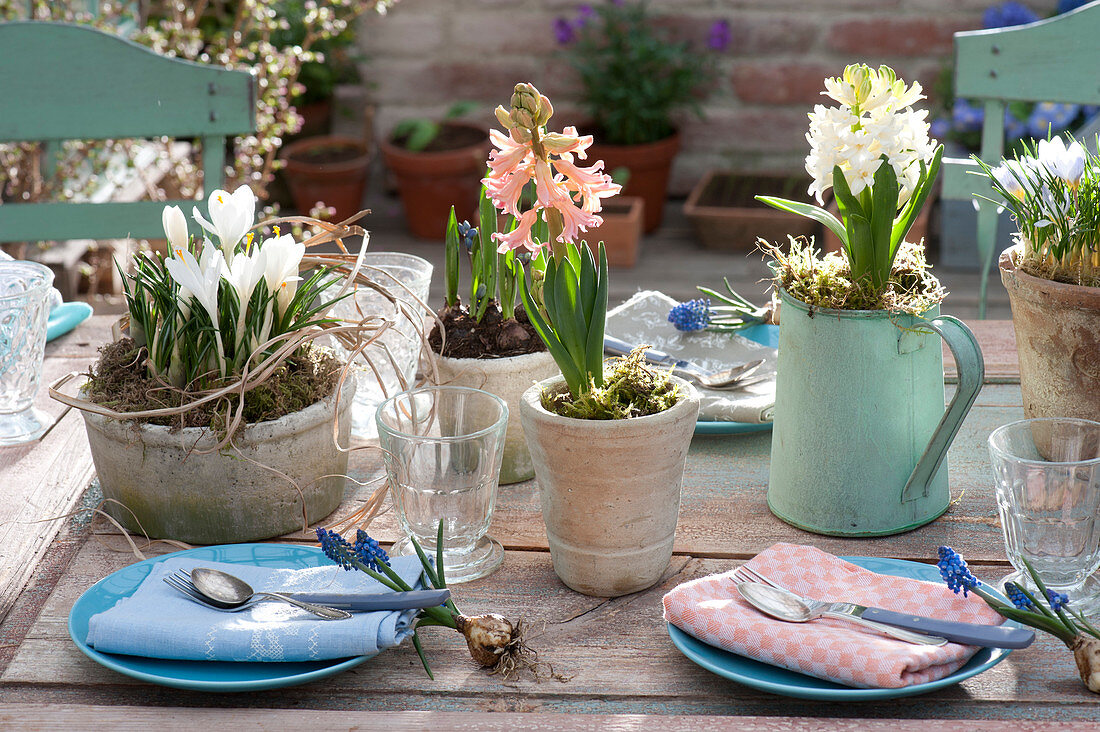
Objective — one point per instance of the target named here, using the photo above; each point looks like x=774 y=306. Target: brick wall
x=426 y=54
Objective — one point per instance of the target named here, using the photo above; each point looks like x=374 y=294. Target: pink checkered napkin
x=711 y=609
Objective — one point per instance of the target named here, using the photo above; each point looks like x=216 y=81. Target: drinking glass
x=377 y=375
x=1047 y=474
x=24 y=310
x=443 y=446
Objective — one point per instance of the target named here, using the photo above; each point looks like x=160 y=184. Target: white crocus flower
x=1018 y=177
x=200 y=279
x=243 y=273
x=231 y=216
x=175 y=227
x=283 y=255
x=1062 y=162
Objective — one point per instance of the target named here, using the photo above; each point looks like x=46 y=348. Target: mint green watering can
x=859 y=444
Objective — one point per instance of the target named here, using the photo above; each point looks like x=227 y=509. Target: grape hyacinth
x=954 y=571
x=467 y=233
x=1057 y=600
x=1017 y=596
x=369 y=551
x=692 y=315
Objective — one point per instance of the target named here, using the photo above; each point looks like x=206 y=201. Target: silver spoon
x=786 y=605
x=230 y=591
x=733 y=377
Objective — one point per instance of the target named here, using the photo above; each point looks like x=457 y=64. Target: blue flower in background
x=1014 y=127
x=1064 y=6
x=939 y=128
x=1008 y=14
x=965 y=117
x=563 y=31
x=691 y=315
x=718 y=38
x=1049 y=117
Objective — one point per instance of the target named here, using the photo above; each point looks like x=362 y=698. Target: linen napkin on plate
x=159 y=622
x=643 y=319
x=710 y=609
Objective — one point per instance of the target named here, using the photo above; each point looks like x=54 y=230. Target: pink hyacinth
x=560 y=184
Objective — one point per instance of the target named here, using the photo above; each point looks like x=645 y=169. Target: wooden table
x=617 y=650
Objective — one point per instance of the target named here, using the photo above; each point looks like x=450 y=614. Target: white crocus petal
x=243 y=273
x=231 y=216
x=196 y=280
x=283 y=258
x=175 y=227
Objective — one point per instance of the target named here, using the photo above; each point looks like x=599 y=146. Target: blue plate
x=65 y=317
x=203 y=675
x=765 y=335
x=781 y=681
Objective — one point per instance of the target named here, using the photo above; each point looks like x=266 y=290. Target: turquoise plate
x=778 y=680
x=65 y=317
x=765 y=335
x=203 y=675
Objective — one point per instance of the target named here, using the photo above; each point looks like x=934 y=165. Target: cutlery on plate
x=972 y=634
x=377 y=600
x=218 y=595
x=734 y=377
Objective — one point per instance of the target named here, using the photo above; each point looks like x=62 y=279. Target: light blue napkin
x=159 y=622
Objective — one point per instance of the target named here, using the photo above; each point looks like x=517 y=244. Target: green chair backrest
x=1054 y=60
x=68 y=82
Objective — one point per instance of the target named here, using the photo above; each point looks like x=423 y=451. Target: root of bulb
x=499 y=644
x=1086 y=652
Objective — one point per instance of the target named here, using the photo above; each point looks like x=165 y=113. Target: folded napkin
x=710 y=609
x=643 y=319
x=159 y=622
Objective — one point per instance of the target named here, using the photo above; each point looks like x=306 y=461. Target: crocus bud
x=175 y=227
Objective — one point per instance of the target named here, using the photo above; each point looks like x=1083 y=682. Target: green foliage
x=492 y=275
x=634 y=77
x=418 y=132
x=573 y=313
x=631 y=389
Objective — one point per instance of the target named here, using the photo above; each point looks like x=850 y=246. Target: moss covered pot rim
x=1018 y=282
x=792 y=301
x=688 y=403
x=315 y=414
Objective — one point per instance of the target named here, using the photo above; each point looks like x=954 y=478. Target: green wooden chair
x=68 y=82
x=1052 y=60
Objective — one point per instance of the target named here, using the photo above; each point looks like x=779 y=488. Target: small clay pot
x=330 y=169
x=649 y=165
x=621 y=230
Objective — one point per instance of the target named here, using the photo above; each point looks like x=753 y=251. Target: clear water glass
x=1047 y=474
x=24 y=310
x=443 y=446
x=388 y=365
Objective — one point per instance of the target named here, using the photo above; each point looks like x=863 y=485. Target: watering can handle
x=971 y=369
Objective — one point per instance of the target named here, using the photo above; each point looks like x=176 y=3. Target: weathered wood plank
x=998 y=343
x=617 y=651
x=33 y=717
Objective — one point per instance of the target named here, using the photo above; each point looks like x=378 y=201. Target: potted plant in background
x=860 y=437
x=489 y=345
x=329 y=171
x=635 y=79
x=608 y=449
x=725 y=214
x=621 y=229
x=218 y=420
x=434 y=165
x=1052 y=274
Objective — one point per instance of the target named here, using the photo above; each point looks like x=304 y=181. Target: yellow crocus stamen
x=275 y=229
x=248 y=240
x=179 y=253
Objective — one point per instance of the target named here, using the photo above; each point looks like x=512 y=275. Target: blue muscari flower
x=563 y=31
x=1048 y=117
x=1008 y=14
x=369 y=552
x=691 y=315
x=1014 y=128
x=965 y=117
x=1057 y=600
x=336 y=547
x=1017 y=596
x=954 y=571
x=467 y=233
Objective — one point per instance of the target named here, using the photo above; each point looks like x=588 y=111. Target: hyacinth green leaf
x=916 y=202
x=442 y=580
x=861 y=254
x=452 y=244
x=587 y=291
x=563 y=314
x=811 y=212
x=420 y=652
x=432 y=575
x=884 y=206
x=487 y=223
x=561 y=356
x=597 y=320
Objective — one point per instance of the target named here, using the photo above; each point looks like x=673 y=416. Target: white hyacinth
x=875 y=118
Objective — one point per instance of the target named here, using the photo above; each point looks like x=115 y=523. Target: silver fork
x=827 y=609
x=184 y=587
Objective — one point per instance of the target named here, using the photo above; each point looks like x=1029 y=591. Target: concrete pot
x=1057 y=342
x=508 y=378
x=227 y=497
x=610 y=490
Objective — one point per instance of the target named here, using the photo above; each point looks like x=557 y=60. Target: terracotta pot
x=508 y=378
x=431 y=182
x=610 y=490
x=621 y=230
x=725 y=215
x=649 y=167
x=172 y=492
x=329 y=169
x=1057 y=342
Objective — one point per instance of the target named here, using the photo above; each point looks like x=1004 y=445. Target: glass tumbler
x=24 y=310
x=388 y=365
x=1047 y=474
x=443 y=446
